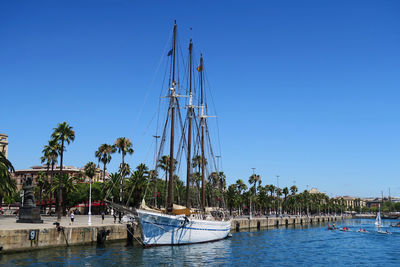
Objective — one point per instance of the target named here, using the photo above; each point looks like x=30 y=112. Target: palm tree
x=293 y=190
x=196 y=162
x=7 y=184
x=232 y=197
x=103 y=154
x=241 y=187
x=285 y=192
x=278 y=192
x=62 y=134
x=68 y=186
x=90 y=169
x=124 y=146
x=137 y=184
x=271 y=189
x=163 y=163
x=110 y=186
x=50 y=155
x=41 y=182
x=253 y=179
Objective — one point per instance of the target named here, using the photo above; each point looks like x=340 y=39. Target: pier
x=22 y=237
x=265 y=222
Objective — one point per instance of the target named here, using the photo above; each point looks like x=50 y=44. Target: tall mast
x=172 y=105
x=190 y=114
x=202 y=123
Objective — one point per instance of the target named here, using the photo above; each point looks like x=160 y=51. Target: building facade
x=4 y=144
x=352 y=202
x=78 y=173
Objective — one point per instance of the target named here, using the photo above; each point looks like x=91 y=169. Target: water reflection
x=286 y=246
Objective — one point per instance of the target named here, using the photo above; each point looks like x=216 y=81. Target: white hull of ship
x=162 y=229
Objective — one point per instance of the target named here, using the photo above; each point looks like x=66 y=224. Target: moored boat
x=164 y=229
x=178 y=227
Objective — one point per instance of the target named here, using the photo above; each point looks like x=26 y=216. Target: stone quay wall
x=24 y=239
x=45 y=236
x=264 y=222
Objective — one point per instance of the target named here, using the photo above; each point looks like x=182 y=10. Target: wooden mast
x=202 y=123
x=190 y=114
x=172 y=105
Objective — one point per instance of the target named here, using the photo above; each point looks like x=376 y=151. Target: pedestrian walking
x=115 y=217
x=72 y=218
x=102 y=217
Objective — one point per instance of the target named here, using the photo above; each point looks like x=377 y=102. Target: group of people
x=72 y=217
x=331 y=227
x=345 y=229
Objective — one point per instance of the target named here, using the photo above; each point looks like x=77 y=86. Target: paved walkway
x=9 y=222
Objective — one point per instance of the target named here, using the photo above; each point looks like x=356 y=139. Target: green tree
x=124 y=146
x=103 y=154
x=293 y=190
x=62 y=134
x=285 y=192
x=241 y=187
x=68 y=187
x=137 y=183
x=253 y=179
x=90 y=170
x=50 y=155
x=41 y=182
x=7 y=184
x=163 y=163
x=232 y=197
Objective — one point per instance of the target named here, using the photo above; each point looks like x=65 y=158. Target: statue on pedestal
x=29 y=213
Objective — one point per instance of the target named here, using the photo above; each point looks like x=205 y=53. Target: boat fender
x=102 y=235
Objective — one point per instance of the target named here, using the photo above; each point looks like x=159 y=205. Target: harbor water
x=311 y=245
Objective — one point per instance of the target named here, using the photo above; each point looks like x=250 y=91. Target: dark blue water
x=301 y=246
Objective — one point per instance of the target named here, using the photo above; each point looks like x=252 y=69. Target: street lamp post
x=90 y=203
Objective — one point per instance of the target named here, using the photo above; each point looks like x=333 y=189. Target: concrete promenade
x=18 y=236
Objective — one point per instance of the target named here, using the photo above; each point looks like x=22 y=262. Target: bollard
x=237 y=226
x=130 y=232
x=258 y=225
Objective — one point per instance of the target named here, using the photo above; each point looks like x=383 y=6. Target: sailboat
x=378 y=220
x=178 y=226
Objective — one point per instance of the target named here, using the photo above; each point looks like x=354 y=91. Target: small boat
x=384 y=232
x=362 y=231
x=332 y=227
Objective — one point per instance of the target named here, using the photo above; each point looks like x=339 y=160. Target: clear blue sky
x=308 y=90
